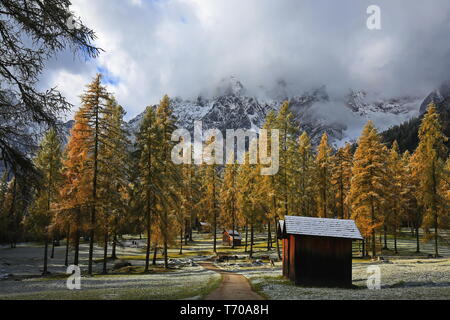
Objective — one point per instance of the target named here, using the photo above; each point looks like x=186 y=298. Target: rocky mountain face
x=233 y=108
x=438 y=96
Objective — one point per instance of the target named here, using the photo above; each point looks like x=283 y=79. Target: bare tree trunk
x=94 y=189
x=45 y=272
x=166 y=258
x=52 y=256
x=181 y=241
x=155 y=252
x=105 y=254
x=91 y=240
x=417 y=240
x=187 y=228
x=246 y=236
x=233 y=227
x=114 y=247
x=435 y=213
x=385 y=239
x=77 y=247
x=77 y=238
x=374 y=252
x=277 y=240
x=269 y=236
x=147 y=253
x=395 y=241
x=215 y=215
x=66 y=262
x=436 y=235
x=363 y=248
x=252 y=232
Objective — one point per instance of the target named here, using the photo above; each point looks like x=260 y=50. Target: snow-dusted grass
x=400 y=279
x=184 y=283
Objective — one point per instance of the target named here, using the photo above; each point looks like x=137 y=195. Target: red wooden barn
x=318 y=252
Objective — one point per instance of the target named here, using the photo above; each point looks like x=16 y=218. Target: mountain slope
x=233 y=108
x=406 y=133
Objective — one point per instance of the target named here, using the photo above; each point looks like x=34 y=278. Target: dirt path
x=233 y=287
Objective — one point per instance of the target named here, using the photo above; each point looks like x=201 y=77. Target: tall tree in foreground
x=32 y=32
x=367 y=188
x=285 y=179
x=76 y=189
x=430 y=155
x=113 y=173
x=271 y=182
x=93 y=109
x=48 y=162
x=248 y=197
x=150 y=176
x=445 y=190
x=170 y=175
x=3 y=193
x=16 y=202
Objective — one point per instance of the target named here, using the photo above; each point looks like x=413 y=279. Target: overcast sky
x=185 y=47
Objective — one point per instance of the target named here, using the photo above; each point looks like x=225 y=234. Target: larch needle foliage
x=430 y=162
x=367 y=186
x=323 y=176
x=48 y=163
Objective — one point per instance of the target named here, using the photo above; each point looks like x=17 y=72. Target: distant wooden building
x=318 y=252
x=204 y=227
x=230 y=237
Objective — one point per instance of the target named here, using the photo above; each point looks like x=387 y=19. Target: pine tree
x=16 y=201
x=411 y=210
x=192 y=197
x=248 y=197
x=230 y=215
x=76 y=189
x=430 y=161
x=149 y=172
x=3 y=193
x=113 y=173
x=48 y=162
x=210 y=201
x=170 y=175
x=395 y=197
x=367 y=189
x=93 y=109
x=323 y=176
x=341 y=179
x=289 y=132
x=445 y=191
x=306 y=174
x=270 y=183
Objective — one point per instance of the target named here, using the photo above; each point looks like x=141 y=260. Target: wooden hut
x=230 y=237
x=318 y=252
x=204 y=227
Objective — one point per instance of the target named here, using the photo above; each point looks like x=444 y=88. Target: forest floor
x=404 y=276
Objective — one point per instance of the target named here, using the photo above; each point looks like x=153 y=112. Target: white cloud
x=184 y=47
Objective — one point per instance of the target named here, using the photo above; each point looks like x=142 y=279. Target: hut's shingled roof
x=321 y=227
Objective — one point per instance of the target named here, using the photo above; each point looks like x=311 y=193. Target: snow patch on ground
x=400 y=279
